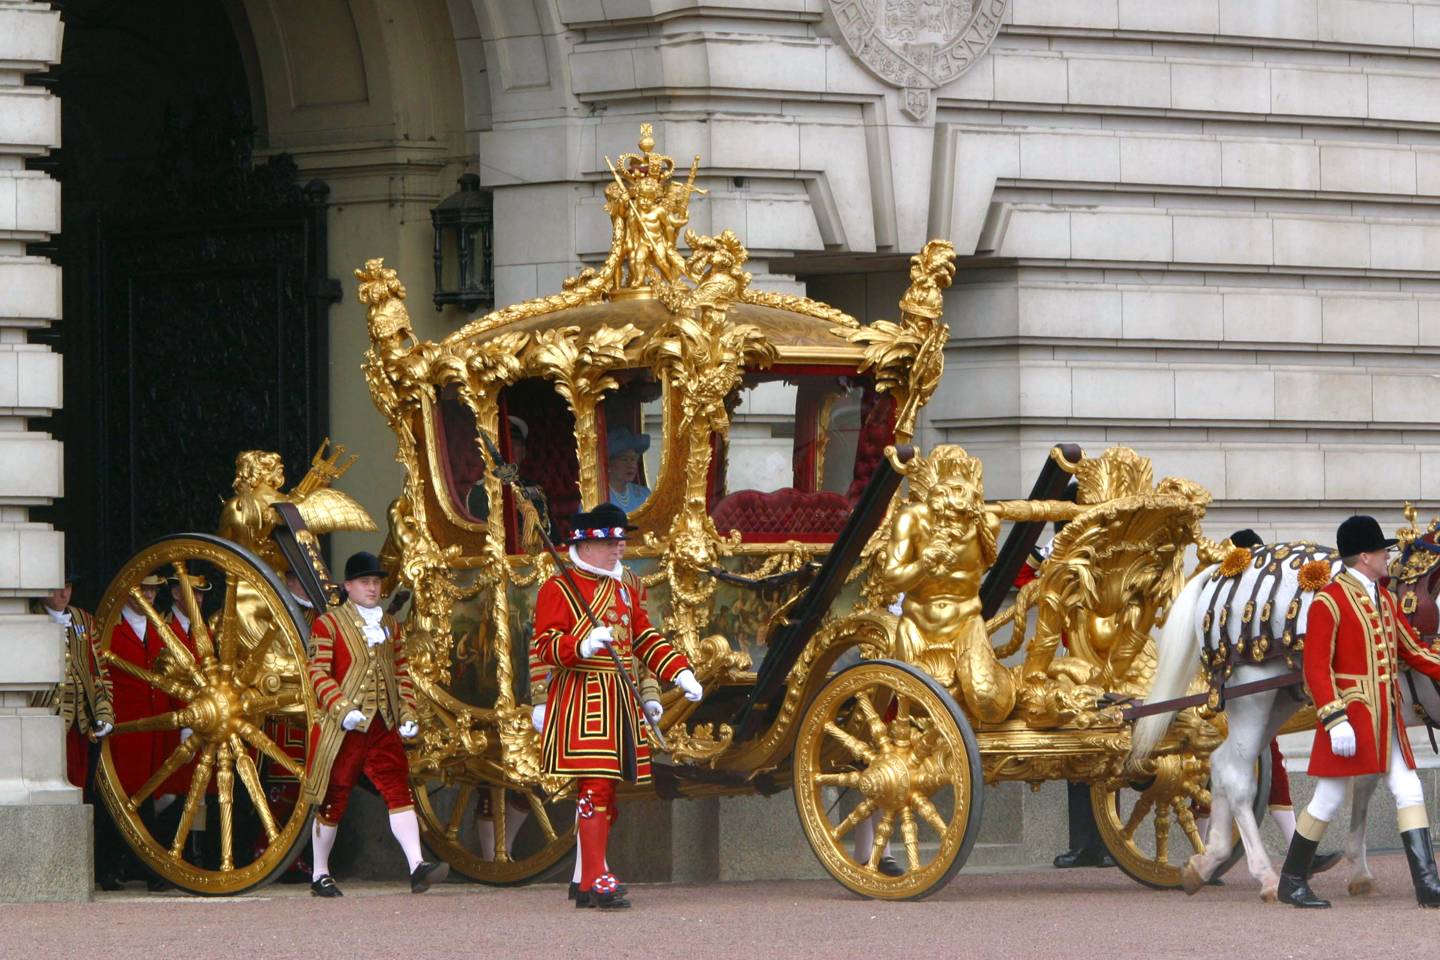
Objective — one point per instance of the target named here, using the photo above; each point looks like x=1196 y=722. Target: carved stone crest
x=918 y=45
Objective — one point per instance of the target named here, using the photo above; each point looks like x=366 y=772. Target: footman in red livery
x=1355 y=638
x=363 y=689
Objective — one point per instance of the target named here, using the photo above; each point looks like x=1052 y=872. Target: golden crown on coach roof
x=646 y=165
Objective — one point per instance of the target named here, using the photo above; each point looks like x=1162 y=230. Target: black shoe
x=108 y=881
x=427 y=873
x=1214 y=882
x=1084 y=858
x=1422 y=866
x=157 y=884
x=1324 y=861
x=1075 y=858
x=1294 y=886
x=574 y=893
x=606 y=893
x=890 y=867
x=324 y=886
x=586 y=900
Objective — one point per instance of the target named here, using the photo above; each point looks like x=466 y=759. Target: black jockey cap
x=1361 y=534
x=364 y=564
x=1246 y=538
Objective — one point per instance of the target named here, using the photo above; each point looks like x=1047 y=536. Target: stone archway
x=366 y=95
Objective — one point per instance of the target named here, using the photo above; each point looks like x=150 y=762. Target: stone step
x=996 y=855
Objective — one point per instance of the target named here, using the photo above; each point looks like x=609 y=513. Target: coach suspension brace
x=509 y=473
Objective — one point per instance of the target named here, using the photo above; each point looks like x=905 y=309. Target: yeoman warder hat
x=605 y=522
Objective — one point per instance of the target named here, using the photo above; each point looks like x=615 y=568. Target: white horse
x=1228 y=619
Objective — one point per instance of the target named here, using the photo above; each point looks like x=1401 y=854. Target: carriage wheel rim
x=1164 y=808
x=889 y=734
x=226 y=694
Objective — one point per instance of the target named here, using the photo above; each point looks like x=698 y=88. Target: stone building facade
x=1203 y=228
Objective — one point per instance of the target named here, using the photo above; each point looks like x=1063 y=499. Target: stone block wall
x=1204 y=232
x=45 y=842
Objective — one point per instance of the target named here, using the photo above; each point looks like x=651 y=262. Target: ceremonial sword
x=509 y=473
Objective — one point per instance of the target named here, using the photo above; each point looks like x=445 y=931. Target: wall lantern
x=464 y=258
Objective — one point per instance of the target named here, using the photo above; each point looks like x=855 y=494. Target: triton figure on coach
x=363 y=689
x=594 y=728
x=1354 y=639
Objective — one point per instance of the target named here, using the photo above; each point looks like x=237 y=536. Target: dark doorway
x=194 y=290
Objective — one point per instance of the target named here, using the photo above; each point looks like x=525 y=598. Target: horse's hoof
x=1190 y=878
x=1268 y=895
x=1362 y=887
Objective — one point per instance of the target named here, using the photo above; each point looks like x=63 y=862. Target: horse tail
x=1176 y=662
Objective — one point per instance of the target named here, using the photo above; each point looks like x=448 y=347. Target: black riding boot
x=1295 y=875
x=1422 y=866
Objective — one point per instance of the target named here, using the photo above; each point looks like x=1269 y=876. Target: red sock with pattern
x=594 y=806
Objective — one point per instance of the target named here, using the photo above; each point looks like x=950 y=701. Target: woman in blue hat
x=623 y=450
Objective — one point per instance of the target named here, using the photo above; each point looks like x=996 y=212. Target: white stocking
x=865 y=839
x=322 y=841
x=1284 y=818
x=406 y=828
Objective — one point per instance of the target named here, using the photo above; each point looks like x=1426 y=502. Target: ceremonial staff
x=509 y=473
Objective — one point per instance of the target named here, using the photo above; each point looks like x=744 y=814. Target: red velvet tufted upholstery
x=877 y=431
x=787 y=513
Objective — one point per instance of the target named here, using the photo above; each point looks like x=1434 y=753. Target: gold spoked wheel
x=237 y=682
x=1148 y=823
x=471 y=826
x=882 y=743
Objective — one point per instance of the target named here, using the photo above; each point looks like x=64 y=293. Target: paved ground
x=1075 y=914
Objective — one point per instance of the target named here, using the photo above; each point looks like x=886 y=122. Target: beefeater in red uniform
x=1355 y=637
x=363 y=689
x=594 y=729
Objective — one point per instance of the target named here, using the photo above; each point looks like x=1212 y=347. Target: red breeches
x=595 y=812
x=377 y=753
x=1279 y=779
x=77 y=755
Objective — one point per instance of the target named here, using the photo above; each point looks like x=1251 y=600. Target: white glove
x=537 y=718
x=597 y=639
x=1342 y=739
x=654 y=711
x=103 y=729
x=352 y=720
x=409 y=728
x=693 y=691
x=185 y=733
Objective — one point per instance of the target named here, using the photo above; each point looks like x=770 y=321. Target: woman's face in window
x=624 y=468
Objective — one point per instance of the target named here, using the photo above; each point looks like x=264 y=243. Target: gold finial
x=647 y=137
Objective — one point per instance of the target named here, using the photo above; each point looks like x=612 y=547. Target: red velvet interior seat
x=782 y=514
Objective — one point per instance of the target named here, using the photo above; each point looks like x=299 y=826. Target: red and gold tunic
x=1352 y=672
x=349 y=674
x=82 y=699
x=593 y=727
x=137 y=755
